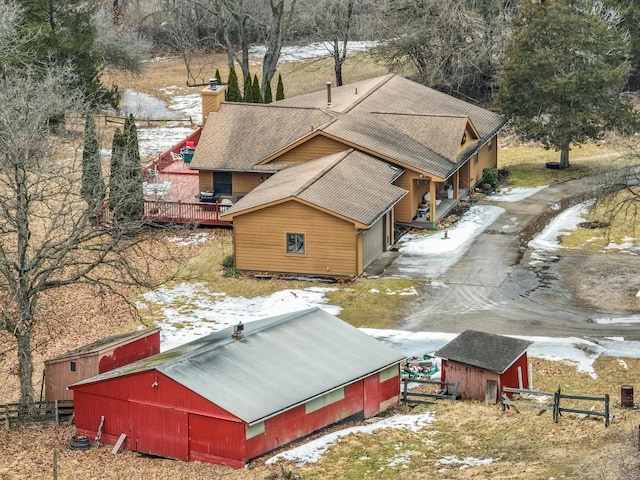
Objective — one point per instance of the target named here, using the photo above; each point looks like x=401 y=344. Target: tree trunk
x=564 y=158
x=25 y=366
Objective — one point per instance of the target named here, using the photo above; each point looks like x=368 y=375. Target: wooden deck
x=170 y=189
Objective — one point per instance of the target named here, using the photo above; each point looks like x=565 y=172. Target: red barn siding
x=473 y=380
x=163 y=418
x=129 y=353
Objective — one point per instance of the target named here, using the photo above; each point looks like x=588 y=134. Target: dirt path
x=495 y=287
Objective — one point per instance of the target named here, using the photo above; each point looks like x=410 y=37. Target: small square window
x=295 y=243
x=73 y=366
x=475 y=158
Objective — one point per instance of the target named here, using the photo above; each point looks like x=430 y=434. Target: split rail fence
x=37 y=413
x=555 y=407
x=417 y=397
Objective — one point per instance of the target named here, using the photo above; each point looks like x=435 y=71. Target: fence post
x=606 y=410
x=404 y=391
x=7 y=425
x=556 y=405
x=57 y=413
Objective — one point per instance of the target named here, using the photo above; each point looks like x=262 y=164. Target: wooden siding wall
x=205 y=180
x=129 y=352
x=211 y=100
x=58 y=375
x=407 y=208
x=313 y=148
x=473 y=380
x=330 y=243
x=244 y=182
x=487 y=158
x=510 y=377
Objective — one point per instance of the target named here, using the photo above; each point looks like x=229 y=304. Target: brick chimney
x=212 y=97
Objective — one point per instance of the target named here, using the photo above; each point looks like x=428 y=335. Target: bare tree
x=48 y=237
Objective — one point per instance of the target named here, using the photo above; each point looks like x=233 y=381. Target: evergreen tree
x=233 y=90
x=93 y=189
x=116 y=175
x=566 y=64
x=255 y=90
x=66 y=31
x=268 y=96
x=134 y=202
x=248 y=91
x=218 y=77
x=280 y=89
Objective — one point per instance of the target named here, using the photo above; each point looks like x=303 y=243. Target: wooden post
x=57 y=413
x=6 y=418
x=606 y=410
x=99 y=434
x=556 y=405
x=55 y=464
x=404 y=390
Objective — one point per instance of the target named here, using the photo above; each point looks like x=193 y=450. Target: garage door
x=373 y=242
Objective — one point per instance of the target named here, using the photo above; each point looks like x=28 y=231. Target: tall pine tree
x=248 y=91
x=134 y=204
x=268 y=96
x=255 y=91
x=233 y=90
x=280 y=89
x=116 y=176
x=93 y=189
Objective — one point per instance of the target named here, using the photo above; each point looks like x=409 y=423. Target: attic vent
x=238 y=331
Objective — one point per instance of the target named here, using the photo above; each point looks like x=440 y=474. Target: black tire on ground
x=79 y=443
x=554 y=165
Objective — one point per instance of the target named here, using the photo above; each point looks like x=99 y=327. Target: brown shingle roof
x=328 y=183
x=488 y=351
x=399 y=119
x=239 y=136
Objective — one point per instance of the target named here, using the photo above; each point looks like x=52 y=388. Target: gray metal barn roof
x=281 y=362
x=495 y=353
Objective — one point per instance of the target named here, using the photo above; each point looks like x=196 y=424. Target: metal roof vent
x=329 y=105
x=238 y=331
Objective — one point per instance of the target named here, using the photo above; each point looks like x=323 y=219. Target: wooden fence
x=46 y=412
x=416 y=397
x=555 y=407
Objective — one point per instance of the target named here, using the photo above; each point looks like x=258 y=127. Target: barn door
x=371 y=387
x=491 y=392
x=159 y=431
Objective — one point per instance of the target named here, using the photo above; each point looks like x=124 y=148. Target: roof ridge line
x=388 y=78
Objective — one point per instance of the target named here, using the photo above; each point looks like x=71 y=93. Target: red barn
x=95 y=358
x=483 y=363
x=244 y=391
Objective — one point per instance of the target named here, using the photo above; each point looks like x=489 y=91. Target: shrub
x=228 y=262
x=490 y=176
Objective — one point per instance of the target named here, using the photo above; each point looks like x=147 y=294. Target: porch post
x=456 y=184
x=432 y=201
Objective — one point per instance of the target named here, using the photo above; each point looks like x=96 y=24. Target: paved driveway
x=493 y=287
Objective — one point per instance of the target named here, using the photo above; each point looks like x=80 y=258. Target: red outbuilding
x=243 y=391
x=95 y=358
x=483 y=363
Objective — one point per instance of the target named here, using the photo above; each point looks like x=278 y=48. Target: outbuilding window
x=72 y=366
x=295 y=243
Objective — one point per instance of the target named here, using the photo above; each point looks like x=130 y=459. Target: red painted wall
x=163 y=418
x=129 y=353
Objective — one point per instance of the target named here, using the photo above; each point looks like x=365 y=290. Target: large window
x=295 y=243
x=223 y=183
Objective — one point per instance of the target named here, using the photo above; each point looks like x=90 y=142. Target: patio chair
x=176 y=157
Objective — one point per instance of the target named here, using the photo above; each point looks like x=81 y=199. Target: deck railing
x=196 y=213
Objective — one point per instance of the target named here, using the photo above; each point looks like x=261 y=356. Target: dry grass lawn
x=523 y=445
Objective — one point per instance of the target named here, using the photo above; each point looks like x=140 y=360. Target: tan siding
x=313 y=148
x=244 y=182
x=205 y=180
x=58 y=376
x=487 y=158
x=330 y=243
x=407 y=208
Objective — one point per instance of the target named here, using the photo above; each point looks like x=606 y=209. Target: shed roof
x=491 y=352
x=282 y=361
x=328 y=183
x=106 y=343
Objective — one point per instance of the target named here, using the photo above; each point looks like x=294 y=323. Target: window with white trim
x=295 y=243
